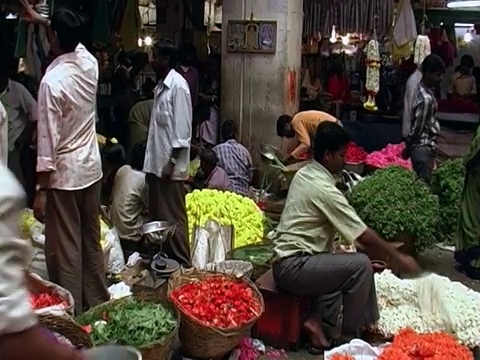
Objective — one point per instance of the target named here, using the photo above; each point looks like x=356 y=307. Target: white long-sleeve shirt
x=16 y=314
x=170 y=127
x=67 y=140
x=3 y=135
x=411 y=87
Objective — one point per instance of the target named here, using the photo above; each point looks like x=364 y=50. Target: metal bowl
x=270 y=152
x=157 y=232
x=112 y=352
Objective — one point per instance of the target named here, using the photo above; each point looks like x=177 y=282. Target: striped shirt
x=425 y=125
x=235 y=159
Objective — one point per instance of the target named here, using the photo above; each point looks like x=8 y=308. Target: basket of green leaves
x=149 y=326
x=397 y=205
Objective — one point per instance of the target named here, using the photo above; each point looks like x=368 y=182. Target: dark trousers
x=423 y=160
x=166 y=201
x=329 y=277
x=73 y=252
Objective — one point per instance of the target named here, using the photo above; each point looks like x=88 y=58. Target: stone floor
x=435 y=260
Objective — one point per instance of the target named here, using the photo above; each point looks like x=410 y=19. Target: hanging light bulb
x=333 y=38
x=467 y=37
x=148 y=41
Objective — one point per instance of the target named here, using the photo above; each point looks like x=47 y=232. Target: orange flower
x=408 y=345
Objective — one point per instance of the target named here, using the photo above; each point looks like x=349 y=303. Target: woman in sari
x=467 y=246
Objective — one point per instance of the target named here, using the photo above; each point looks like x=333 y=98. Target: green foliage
x=393 y=202
x=129 y=322
x=447 y=184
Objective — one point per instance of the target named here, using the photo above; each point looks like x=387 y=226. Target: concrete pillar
x=257 y=88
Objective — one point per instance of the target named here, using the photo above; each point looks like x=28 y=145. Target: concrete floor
x=434 y=260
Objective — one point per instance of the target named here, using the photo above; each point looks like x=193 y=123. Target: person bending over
x=302 y=127
x=129 y=205
x=315 y=213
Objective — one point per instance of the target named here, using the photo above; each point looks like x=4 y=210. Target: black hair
x=467 y=61
x=113 y=153
x=229 y=130
x=138 y=156
x=433 y=63
x=201 y=112
x=329 y=137
x=148 y=87
x=209 y=157
x=167 y=48
x=69 y=27
x=282 y=123
x=188 y=50
x=122 y=57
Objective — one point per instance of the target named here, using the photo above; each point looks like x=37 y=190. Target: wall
x=255 y=86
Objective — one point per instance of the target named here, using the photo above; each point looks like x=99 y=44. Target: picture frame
x=252 y=36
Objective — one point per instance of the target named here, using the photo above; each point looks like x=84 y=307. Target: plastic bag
x=211 y=243
x=358 y=349
x=115 y=260
x=36 y=285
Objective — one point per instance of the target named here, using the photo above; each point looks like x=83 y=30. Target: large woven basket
x=159 y=350
x=203 y=342
x=68 y=328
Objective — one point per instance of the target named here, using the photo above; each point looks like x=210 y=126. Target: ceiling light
x=458 y=4
x=11 y=16
x=148 y=41
x=140 y=42
x=464 y=25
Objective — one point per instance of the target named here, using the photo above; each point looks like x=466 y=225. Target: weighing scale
x=159 y=266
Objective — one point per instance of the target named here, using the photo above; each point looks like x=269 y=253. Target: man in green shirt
x=315 y=214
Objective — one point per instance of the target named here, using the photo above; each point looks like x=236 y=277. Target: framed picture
x=252 y=36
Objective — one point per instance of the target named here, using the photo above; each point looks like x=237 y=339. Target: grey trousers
x=423 y=160
x=333 y=279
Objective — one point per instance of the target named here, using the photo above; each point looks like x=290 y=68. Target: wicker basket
x=159 y=350
x=68 y=328
x=204 y=342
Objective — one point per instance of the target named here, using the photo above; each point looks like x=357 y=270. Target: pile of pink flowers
x=391 y=155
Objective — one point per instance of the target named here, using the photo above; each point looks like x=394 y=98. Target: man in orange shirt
x=303 y=127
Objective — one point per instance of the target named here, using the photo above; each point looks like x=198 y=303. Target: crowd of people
x=146 y=177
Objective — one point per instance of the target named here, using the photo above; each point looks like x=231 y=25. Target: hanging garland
x=372 y=84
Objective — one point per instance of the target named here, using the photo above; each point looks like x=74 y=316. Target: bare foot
x=314 y=328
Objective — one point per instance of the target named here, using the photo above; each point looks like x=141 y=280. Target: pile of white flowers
x=428 y=304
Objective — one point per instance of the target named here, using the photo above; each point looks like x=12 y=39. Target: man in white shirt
x=410 y=89
x=69 y=166
x=129 y=199
x=18 y=324
x=168 y=149
x=20 y=106
x=20 y=334
x=3 y=135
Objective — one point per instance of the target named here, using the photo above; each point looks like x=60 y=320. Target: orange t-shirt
x=305 y=124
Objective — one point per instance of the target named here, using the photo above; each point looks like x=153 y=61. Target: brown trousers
x=73 y=252
x=166 y=201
